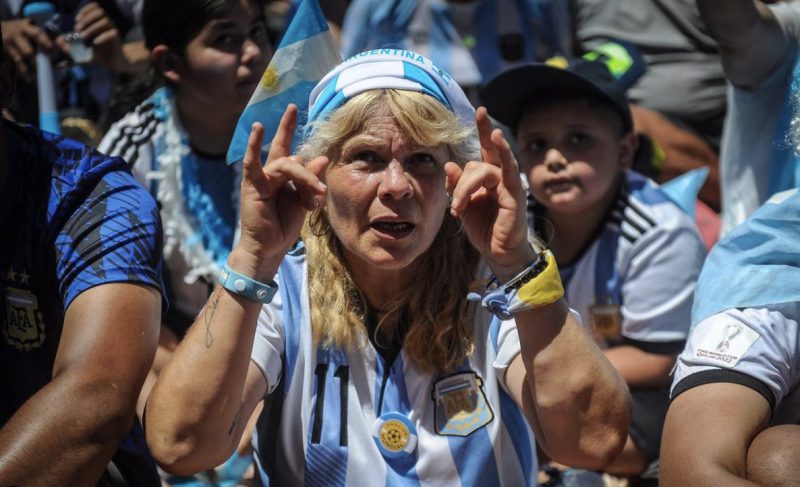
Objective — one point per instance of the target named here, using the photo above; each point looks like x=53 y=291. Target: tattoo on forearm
x=211 y=308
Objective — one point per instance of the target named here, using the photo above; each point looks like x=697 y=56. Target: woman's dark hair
x=175 y=23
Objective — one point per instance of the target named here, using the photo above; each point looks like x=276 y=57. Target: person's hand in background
x=98 y=31
x=21 y=39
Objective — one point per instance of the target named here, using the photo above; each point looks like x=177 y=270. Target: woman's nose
x=251 y=51
x=394 y=182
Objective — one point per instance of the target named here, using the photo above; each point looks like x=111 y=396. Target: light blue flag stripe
x=304 y=56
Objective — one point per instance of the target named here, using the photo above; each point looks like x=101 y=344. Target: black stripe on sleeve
x=642 y=212
x=724 y=375
x=662 y=348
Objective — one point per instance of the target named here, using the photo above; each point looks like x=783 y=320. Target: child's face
x=224 y=62
x=572 y=154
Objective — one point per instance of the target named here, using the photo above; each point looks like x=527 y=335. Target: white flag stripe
x=306 y=60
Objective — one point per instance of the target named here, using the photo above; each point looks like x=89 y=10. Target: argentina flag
x=305 y=54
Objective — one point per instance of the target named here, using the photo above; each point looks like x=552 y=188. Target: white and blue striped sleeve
x=269 y=342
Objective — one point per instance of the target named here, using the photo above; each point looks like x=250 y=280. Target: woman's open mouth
x=393 y=229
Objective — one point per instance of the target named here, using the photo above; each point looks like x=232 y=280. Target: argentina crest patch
x=460 y=405
x=24 y=328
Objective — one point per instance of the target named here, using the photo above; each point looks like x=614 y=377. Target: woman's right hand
x=274 y=199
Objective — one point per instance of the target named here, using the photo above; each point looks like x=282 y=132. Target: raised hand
x=97 y=29
x=275 y=198
x=489 y=198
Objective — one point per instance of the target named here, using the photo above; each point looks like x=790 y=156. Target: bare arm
x=640 y=368
x=707 y=433
x=69 y=430
x=750 y=39
x=203 y=398
x=576 y=402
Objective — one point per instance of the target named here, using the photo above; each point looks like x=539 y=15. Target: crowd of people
x=463 y=260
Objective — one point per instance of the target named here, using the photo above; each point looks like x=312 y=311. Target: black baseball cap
x=506 y=95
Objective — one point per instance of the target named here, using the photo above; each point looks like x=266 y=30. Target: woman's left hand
x=489 y=199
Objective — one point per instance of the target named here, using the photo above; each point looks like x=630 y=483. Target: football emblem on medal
x=395 y=435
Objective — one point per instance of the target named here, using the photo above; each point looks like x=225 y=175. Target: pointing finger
x=251 y=163
x=488 y=150
x=508 y=164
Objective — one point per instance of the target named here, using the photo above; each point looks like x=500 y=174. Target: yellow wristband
x=545 y=288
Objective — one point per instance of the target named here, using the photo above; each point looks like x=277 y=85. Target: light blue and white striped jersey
x=642 y=266
x=317 y=428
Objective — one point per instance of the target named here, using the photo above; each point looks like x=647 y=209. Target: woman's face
x=386 y=197
x=223 y=64
x=572 y=154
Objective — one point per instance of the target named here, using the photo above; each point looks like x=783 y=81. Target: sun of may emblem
x=271 y=80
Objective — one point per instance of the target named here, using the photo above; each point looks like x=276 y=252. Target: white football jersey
x=639 y=271
x=321 y=423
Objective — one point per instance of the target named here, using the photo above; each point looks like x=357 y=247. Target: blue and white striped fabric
x=323 y=404
x=304 y=55
x=388 y=69
x=755 y=265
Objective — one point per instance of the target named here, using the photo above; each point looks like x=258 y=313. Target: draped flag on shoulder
x=305 y=54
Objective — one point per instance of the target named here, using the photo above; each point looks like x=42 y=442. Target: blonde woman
x=375 y=366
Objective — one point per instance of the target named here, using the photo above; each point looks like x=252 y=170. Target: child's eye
x=535 y=145
x=579 y=139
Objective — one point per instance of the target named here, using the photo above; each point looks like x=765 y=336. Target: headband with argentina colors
x=397 y=69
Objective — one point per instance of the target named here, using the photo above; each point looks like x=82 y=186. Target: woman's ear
x=167 y=63
x=628 y=144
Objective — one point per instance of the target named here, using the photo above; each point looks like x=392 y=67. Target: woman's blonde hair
x=438 y=336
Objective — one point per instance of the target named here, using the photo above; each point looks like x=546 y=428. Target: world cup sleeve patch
x=460 y=405
x=722 y=342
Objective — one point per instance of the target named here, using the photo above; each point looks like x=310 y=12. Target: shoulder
x=787 y=14
x=649 y=206
x=753 y=347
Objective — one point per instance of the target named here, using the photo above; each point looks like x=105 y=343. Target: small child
x=629 y=257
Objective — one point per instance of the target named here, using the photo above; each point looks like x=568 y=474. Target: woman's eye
x=422 y=158
x=259 y=33
x=227 y=40
x=367 y=156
